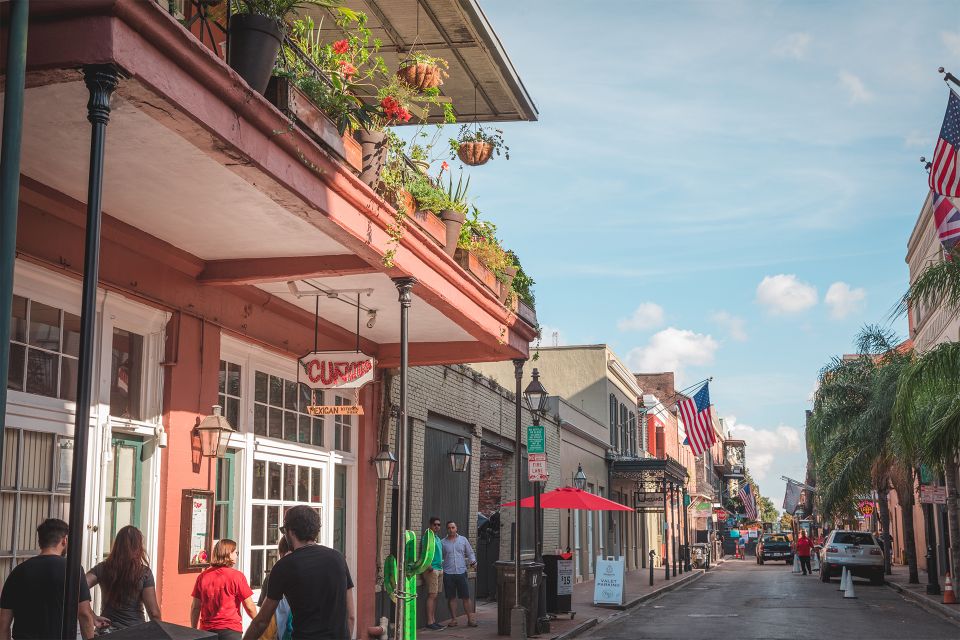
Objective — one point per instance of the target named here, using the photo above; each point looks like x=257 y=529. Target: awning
x=649 y=471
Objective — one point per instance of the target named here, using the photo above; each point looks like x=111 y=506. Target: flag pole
x=949 y=77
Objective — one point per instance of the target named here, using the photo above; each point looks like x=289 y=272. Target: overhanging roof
x=649 y=470
x=483 y=84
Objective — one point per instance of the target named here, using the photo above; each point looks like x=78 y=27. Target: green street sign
x=686 y=499
x=536 y=439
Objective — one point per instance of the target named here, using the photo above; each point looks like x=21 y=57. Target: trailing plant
x=429 y=197
x=281 y=10
x=477 y=133
x=421 y=57
x=422 y=71
x=522 y=284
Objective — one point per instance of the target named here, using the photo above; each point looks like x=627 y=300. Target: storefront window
x=223 y=498
x=280 y=410
x=230 y=392
x=44 y=346
x=342 y=428
x=126 y=375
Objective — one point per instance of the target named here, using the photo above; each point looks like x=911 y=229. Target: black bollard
x=652 y=554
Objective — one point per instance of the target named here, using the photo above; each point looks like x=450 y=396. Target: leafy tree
x=768 y=512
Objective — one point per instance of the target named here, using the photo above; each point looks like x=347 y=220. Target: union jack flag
x=946 y=217
x=749 y=504
x=698 y=420
x=945 y=170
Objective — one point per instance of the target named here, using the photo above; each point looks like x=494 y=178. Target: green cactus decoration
x=413 y=566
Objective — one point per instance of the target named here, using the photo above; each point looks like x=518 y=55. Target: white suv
x=858 y=551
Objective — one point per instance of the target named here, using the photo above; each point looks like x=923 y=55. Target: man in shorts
x=458 y=556
x=433 y=578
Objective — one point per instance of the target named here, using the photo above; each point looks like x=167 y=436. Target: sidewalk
x=918 y=593
x=636 y=590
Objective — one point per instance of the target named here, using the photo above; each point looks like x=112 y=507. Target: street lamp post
x=666 y=532
x=536 y=396
x=686 y=532
x=518 y=615
x=933 y=580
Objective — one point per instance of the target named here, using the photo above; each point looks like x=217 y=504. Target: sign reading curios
x=336 y=369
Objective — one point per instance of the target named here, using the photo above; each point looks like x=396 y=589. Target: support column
x=404 y=287
x=666 y=532
x=676 y=525
x=101 y=80
x=686 y=531
x=518 y=615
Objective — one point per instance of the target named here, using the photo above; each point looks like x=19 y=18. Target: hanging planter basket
x=421 y=76
x=474 y=153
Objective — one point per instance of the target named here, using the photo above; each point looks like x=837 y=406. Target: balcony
x=210 y=183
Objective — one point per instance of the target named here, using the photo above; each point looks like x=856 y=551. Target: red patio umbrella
x=571 y=498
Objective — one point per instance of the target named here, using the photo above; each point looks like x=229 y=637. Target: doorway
x=124 y=487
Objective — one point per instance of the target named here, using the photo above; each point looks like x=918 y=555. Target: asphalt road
x=741 y=599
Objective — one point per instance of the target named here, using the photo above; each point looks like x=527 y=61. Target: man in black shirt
x=314 y=579
x=32 y=597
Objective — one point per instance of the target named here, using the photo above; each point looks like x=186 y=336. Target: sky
x=721 y=189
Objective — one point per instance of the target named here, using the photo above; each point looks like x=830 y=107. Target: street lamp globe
x=460 y=456
x=385 y=463
x=536 y=395
x=580 y=478
x=214 y=432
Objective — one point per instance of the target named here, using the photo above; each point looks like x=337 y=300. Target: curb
x=584 y=626
x=950 y=615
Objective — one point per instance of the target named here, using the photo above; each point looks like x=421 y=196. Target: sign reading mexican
x=336 y=369
x=335 y=410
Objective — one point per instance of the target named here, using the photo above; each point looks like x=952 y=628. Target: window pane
x=259 y=419
x=256 y=568
x=69 y=369
x=305 y=400
x=125 y=375
x=126 y=473
x=18 y=354
x=290 y=425
x=316 y=485
x=233 y=412
x=276 y=423
x=224 y=479
x=274 y=492
x=318 y=432
x=289 y=482
x=221 y=524
x=42 y=373
x=345 y=439
x=260 y=387
x=271 y=558
x=233 y=380
x=18 y=326
x=10 y=437
x=336 y=434
x=222 y=378
x=303 y=484
x=71 y=334
x=273 y=524
x=289 y=394
x=304 y=432
x=44 y=326
x=259 y=534
x=276 y=391
x=259 y=479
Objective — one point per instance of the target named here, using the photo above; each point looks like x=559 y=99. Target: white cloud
x=646 y=316
x=783 y=294
x=918 y=140
x=673 y=349
x=857 y=92
x=793 y=46
x=733 y=325
x=843 y=300
x=764 y=446
x=952 y=42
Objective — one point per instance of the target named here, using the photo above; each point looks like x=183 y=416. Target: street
x=744 y=600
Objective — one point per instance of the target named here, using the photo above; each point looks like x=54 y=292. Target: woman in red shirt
x=218 y=594
x=804 y=546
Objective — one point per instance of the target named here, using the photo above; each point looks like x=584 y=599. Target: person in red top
x=803 y=552
x=218 y=594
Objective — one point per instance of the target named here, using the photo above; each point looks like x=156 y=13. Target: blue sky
x=721 y=188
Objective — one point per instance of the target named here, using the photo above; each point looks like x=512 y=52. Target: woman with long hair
x=126 y=581
x=219 y=592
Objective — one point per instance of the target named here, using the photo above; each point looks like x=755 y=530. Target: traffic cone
x=843 y=580
x=849 y=593
x=948 y=596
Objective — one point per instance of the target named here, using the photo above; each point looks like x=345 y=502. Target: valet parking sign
x=608 y=585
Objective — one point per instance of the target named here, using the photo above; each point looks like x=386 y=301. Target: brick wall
x=492 y=463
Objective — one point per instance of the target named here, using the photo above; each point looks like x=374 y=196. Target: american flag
x=946 y=216
x=749 y=504
x=945 y=171
x=698 y=420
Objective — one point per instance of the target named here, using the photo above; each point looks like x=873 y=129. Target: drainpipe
x=10 y=182
x=101 y=80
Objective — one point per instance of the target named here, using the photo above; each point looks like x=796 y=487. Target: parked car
x=774 y=546
x=858 y=551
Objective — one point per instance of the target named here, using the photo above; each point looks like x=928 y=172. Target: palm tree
x=929 y=394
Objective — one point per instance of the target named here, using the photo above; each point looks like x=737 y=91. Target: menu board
x=196 y=540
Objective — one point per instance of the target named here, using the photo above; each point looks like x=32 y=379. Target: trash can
x=558 y=572
x=531 y=573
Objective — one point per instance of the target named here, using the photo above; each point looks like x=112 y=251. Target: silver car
x=858 y=551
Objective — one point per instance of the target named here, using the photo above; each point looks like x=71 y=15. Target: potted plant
x=392 y=108
x=256 y=32
x=475 y=145
x=422 y=71
x=455 y=213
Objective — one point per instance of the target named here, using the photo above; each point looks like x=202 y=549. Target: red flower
x=341 y=46
x=346 y=68
x=444 y=166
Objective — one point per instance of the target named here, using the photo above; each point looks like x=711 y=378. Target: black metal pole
x=652 y=553
x=543 y=620
x=676 y=526
x=404 y=287
x=518 y=617
x=666 y=533
x=686 y=531
x=933 y=575
x=101 y=80
x=10 y=183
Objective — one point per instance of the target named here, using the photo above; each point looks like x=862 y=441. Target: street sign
x=608 y=581
x=865 y=508
x=686 y=499
x=536 y=439
x=564 y=577
x=335 y=410
x=537 y=467
x=649 y=502
x=933 y=495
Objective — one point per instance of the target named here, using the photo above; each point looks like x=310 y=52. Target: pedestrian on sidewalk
x=280 y=626
x=458 y=556
x=804 y=546
x=219 y=592
x=315 y=581
x=32 y=597
x=433 y=577
x=126 y=581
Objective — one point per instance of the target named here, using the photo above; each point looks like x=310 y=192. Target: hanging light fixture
x=536 y=395
x=214 y=432
x=460 y=456
x=580 y=478
x=385 y=463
